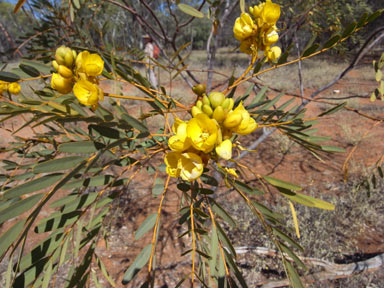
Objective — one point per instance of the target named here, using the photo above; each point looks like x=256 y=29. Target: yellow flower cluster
x=257 y=30
x=13 y=88
x=206 y=135
x=78 y=72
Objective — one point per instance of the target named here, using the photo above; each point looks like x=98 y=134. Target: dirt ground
x=353 y=232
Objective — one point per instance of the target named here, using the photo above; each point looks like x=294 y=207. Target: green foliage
x=83 y=159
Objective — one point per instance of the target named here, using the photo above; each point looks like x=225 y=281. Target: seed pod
x=216 y=98
x=207 y=110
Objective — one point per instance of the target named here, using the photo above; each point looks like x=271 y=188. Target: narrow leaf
x=190 y=10
x=57 y=164
x=137 y=264
x=146 y=226
x=281 y=183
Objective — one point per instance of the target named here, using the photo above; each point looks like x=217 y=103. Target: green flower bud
x=199 y=89
x=216 y=98
x=219 y=114
x=55 y=65
x=61 y=51
x=195 y=110
x=230 y=105
x=207 y=110
x=59 y=59
x=199 y=104
x=206 y=100
x=69 y=59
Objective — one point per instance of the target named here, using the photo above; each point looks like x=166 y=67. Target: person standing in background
x=149 y=52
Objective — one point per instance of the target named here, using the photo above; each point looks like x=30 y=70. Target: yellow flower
x=88 y=93
x=224 y=149
x=239 y=121
x=179 y=142
x=188 y=166
x=256 y=10
x=244 y=27
x=248 y=46
x=271 y=37
x=90 y=64
x=14 y=88
x=203 y=132
x=61 y=84
x=271 y=12
x=273 y=53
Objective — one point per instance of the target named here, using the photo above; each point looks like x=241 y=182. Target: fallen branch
x=333 y=271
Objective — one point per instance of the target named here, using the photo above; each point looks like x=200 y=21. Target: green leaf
x=310 y=50
x=292 y=275
x=246 y=188
x=134 y=123
x=190 y=10
x=214 y=245
x=209 y=180
x=57 y=164
x=281 y=183
x=292 y=255
x=39 y=66
x=32 y=186
x=379 y=75
x=139 y=262
x=81 y=270
x=19 y=207
x=350 y=28
x=333 y=110
x=224 y=239
x=105 y=272
x=96 y=181
x=286 y=238
x=146 y=226
x=222 y=213
x=85 y=147
x=10 y=235
x=158 y=187
x=58 y=220
x=332 y=149
x=47 y=274
x=332 y=41
x=306 y=200
x=9 y=77
x=105 y=131
x=31 y=71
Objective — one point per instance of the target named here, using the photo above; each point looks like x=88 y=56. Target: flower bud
x=207 y=110
x=195 y=110
x=271 y=38
x=230 y=104
x=273 y=54
x=55 y=65
x=60 y=60
x=206 y=100
x=219 y=114
x=74 y=54
x=232 y=120
x=199 y=104
x=14 y=88
x=199 y=89
x=216 y=98
x=69 y=59
x=61 y=84
x=61 y=51
x=65 y=71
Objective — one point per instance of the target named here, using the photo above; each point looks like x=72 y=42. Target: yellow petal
x=61 y=84
x=270 y=13
x=93 y=65
x=224 y=149
x=86 y=92
x=191 y=166
x=172 y=162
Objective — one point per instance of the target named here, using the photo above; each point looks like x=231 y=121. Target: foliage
x=87 y=152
